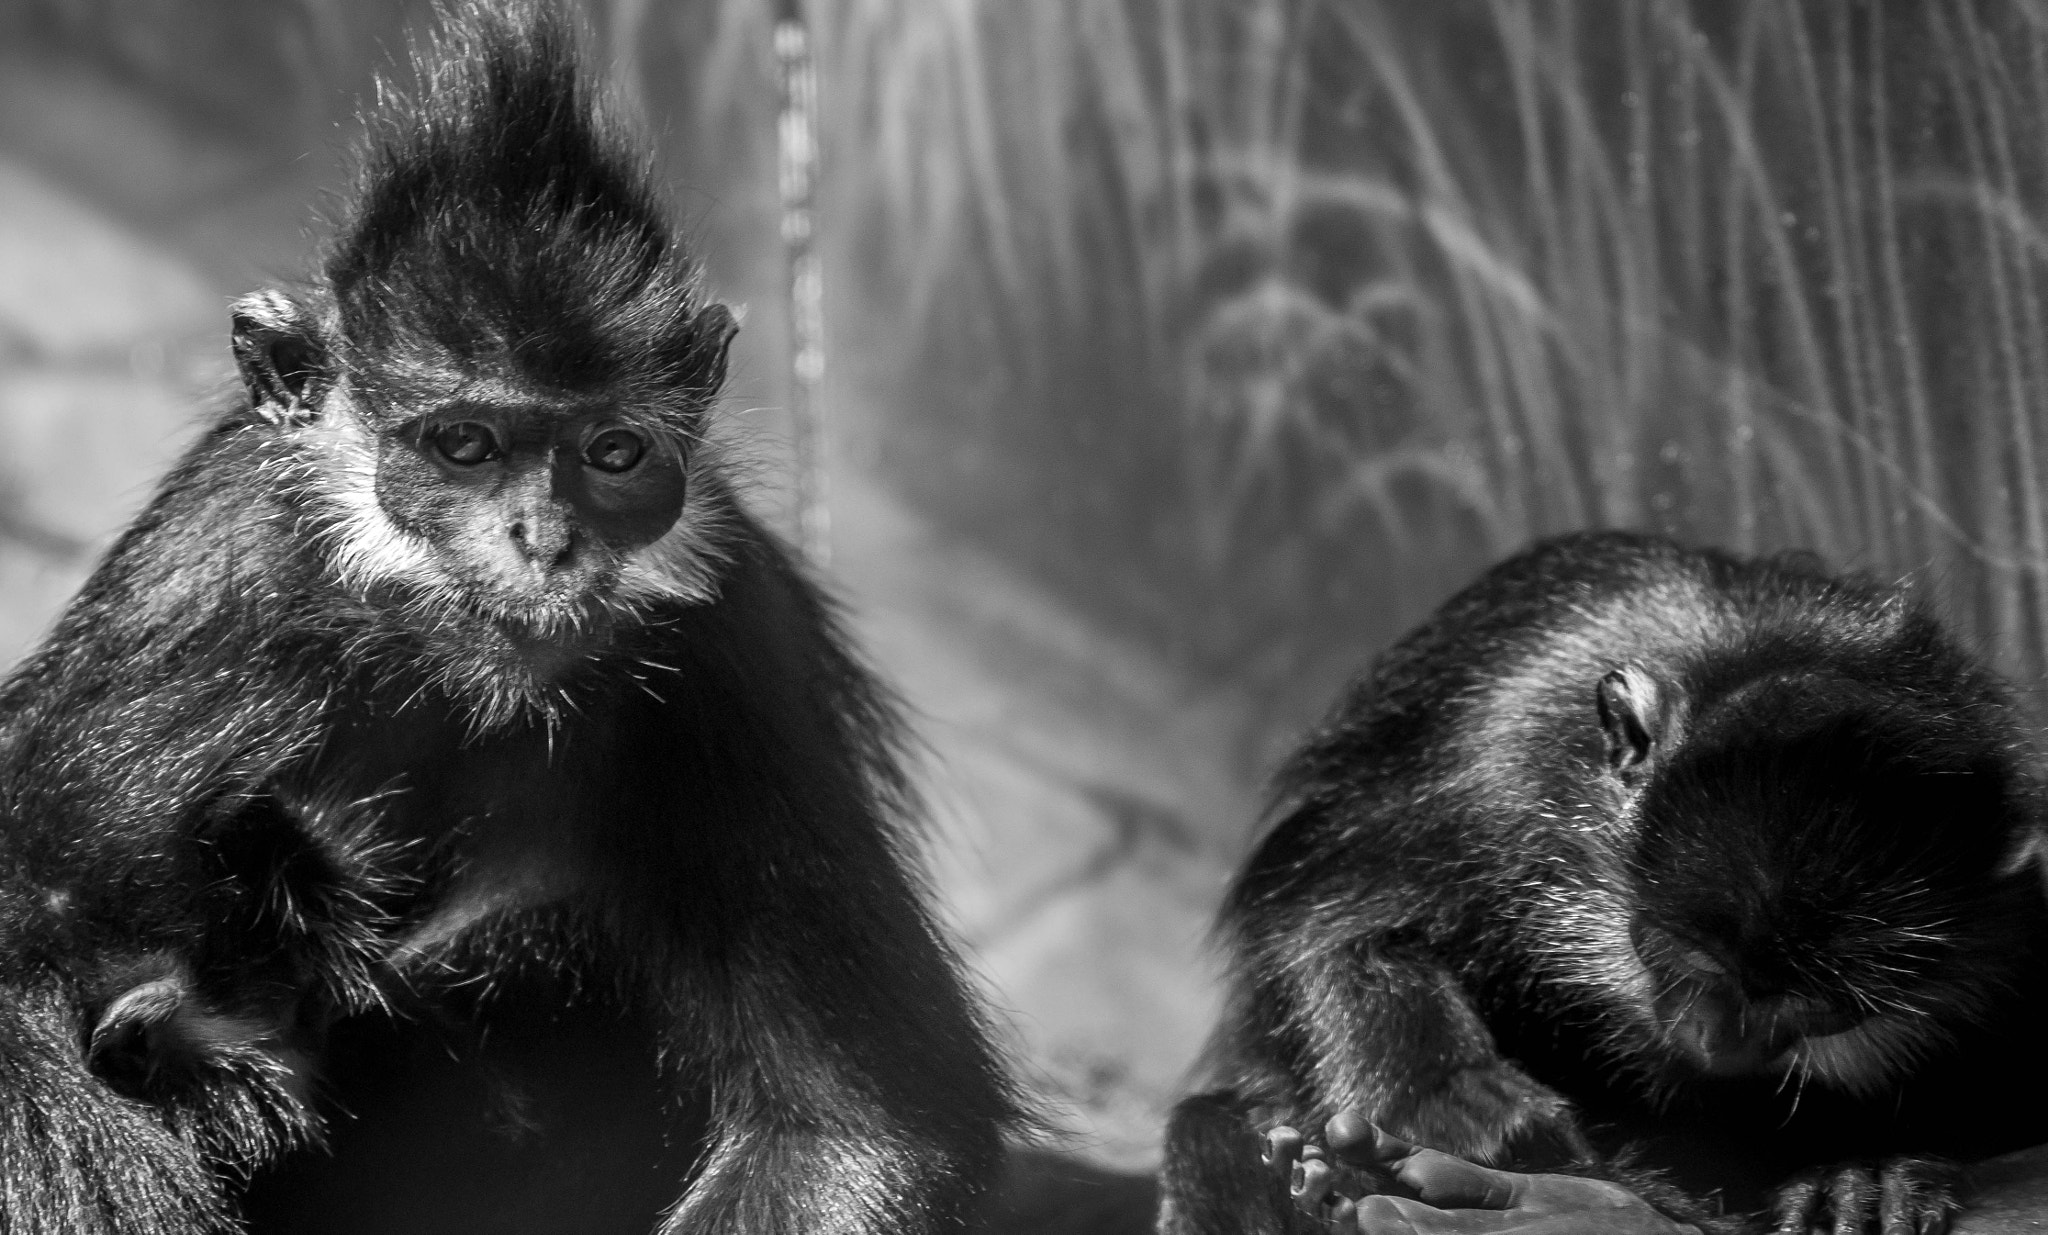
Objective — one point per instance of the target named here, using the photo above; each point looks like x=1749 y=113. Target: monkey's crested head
x=1821 y=872
x=500 y=383
x=504 y=224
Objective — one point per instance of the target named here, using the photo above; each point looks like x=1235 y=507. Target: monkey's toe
x=1311 y=1185
x=1919 y=1196
x=1901 y=1196
x=1322 y=1182
x=1279 y=1151
x=1354 y=1139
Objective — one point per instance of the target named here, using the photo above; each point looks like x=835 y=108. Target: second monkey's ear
x=1632 y=714
x=283 y=365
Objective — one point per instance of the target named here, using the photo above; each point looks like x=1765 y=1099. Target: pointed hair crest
x=504 y=227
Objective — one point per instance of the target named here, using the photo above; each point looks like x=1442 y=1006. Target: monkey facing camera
x=1715 y=878
x=445 y=808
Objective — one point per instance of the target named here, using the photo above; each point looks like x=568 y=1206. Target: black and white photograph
x=1023 y=617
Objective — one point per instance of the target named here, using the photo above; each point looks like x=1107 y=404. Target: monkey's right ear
x=1631 y=712
x=711 y=332
x=282 y=363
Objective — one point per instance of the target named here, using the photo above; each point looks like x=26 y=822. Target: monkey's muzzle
x=1726 y=1033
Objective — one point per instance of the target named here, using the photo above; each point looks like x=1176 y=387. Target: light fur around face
x=370 y=552
x=503 y=664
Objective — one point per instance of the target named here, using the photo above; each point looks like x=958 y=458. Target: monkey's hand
x=1375 y=1184
x=1323 y=1182
x=1899 y=1196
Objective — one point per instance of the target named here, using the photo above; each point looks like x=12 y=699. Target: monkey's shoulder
x=164 y=659
x=221 y=533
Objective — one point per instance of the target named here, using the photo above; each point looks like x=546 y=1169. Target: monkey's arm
x=1215 y=1180
x=853 y=1086
x=133 y=1062
x=142 y=1055
x=1392 y=1039
x=851 y=1093
x=1392 y=1035
x=1377 y=1031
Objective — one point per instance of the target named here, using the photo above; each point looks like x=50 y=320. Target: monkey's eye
x=614 y=450
x=465 y=442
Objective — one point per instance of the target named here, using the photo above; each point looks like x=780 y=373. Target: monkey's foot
x=1326 y=1179
x=1900 y=1196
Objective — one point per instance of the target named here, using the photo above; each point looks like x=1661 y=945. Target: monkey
x=1713 y=877
x=445 y=694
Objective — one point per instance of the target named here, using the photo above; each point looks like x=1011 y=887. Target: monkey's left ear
x=282 y=362
x=1632 y=713
x=711 y=333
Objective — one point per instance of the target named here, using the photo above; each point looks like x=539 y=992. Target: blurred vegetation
x=282 y=51
x=1255 y=327
x=1259 y=326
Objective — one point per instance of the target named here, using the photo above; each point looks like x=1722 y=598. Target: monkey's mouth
x=532 y=621
x=562 y=604
x=542 y=623
x=1738 y=1053
x=1725 y=1034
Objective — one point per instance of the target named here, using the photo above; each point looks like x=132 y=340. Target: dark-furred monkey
x=1700 y=874
x=445 y=667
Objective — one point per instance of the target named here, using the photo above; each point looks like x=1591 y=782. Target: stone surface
x=2013 y=1196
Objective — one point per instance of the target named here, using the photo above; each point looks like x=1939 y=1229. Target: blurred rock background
x=1180 y=353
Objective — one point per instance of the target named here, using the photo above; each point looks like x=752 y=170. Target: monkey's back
x=1458 y=803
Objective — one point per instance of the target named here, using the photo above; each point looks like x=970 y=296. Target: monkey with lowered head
x=446 y=669
x=1699 y=874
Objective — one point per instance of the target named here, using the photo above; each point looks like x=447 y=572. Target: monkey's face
x=513 y=514
x=1826 y=903
x=533 y=511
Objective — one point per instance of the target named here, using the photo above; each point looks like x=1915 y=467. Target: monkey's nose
x=544 y=541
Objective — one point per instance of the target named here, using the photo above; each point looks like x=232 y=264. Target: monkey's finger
x=1398 y=1215
x=1279 y=1152
x=1453 y=1183
x=1895 y=1205
x=1354 y=1138
x=1793 y=1212
x=1383 y=1215
x=1393 y=1215
x=1310 y=1186
x=1852 y=1196
x=1917 y=1196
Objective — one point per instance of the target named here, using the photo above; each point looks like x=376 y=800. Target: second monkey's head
x=1828 y=863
